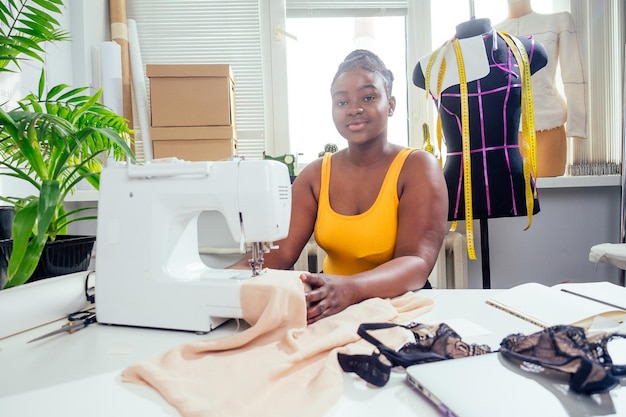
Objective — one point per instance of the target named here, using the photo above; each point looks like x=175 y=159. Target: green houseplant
x=53 y=140
x=24 y=26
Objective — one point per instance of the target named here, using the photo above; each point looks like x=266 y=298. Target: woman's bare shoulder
x=308 y=180
x=422 y=167
x=419 y=159
x=311 y=171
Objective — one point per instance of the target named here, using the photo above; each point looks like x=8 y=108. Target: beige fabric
x=278 y=366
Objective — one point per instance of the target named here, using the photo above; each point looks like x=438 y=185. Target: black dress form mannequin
x=494 y=88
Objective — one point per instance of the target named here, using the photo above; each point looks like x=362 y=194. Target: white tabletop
x=78 y=374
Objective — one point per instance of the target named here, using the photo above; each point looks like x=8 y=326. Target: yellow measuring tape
x=427 y=144
x=442 y=71
x=528 y=146
x=467 y=168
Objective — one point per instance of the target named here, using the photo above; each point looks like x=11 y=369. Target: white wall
x=75 y=62
x=90 y=27
x=556 y=247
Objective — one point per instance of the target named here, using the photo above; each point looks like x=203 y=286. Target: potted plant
x=53 y=140
x=329 y=147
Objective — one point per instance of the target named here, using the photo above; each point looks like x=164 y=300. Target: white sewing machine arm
x=148 y=269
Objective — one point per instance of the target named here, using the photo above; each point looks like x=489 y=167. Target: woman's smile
x=355 y=126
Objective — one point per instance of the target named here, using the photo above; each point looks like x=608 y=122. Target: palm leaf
x=71 y=94
x=65 y=219
x=49 y=5
x=37 y=214
x=23 y=225
x=28 y=23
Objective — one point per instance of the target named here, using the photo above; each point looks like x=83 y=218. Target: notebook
x=574 y=304
x=492 y=386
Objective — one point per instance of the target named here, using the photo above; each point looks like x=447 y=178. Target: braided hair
x=369 y=61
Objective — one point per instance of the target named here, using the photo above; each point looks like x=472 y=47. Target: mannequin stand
x=484 y=253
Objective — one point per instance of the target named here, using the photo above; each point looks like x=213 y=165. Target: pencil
x=594 y=299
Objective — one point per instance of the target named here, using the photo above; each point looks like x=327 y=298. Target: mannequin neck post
x=519 y=8
x=473 y=27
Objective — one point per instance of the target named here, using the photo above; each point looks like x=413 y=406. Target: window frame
x=420 y=107
x=419 y=111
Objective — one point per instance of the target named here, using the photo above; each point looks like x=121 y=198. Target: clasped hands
x=325 y=295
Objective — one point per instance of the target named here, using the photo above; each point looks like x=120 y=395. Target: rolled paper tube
x=119 y=34
x=119 y=31
x=111 y=66
x=139 y=89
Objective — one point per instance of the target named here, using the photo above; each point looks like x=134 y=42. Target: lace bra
x=566 y=349
x=432 y=343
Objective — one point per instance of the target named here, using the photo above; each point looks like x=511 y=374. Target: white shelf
x=15 y=187
x=542 y=183
x=579 y=181
x=82 y=195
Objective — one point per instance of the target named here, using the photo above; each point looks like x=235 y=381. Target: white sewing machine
x=148 y=268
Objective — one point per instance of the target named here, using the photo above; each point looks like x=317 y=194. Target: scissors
x=76 y=322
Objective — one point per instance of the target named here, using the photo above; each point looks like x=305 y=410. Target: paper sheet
x=34 y=304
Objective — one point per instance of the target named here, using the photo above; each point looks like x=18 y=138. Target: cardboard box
x=195 y=150
x=191 y=95
x=193 y=133
x=211 y=143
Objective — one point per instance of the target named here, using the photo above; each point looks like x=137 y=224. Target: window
x=247 y=34
x=312 y=61
x=597 y=23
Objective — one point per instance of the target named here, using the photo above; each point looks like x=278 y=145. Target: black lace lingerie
x=566 y=349
x=432 y=343
x=570 y=350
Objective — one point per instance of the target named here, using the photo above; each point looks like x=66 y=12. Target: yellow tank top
x=362 y=242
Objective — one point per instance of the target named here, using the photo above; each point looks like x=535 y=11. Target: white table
x=78 y=374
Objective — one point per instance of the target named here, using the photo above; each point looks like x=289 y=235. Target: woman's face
x=360 y=105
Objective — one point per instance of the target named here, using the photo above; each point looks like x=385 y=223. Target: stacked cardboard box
x=193 y=111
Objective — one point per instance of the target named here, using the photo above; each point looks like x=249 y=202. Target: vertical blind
x=602 y=41
x=210 y=32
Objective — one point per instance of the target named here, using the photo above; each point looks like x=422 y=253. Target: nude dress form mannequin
x=551 y=152
x=556 y=32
